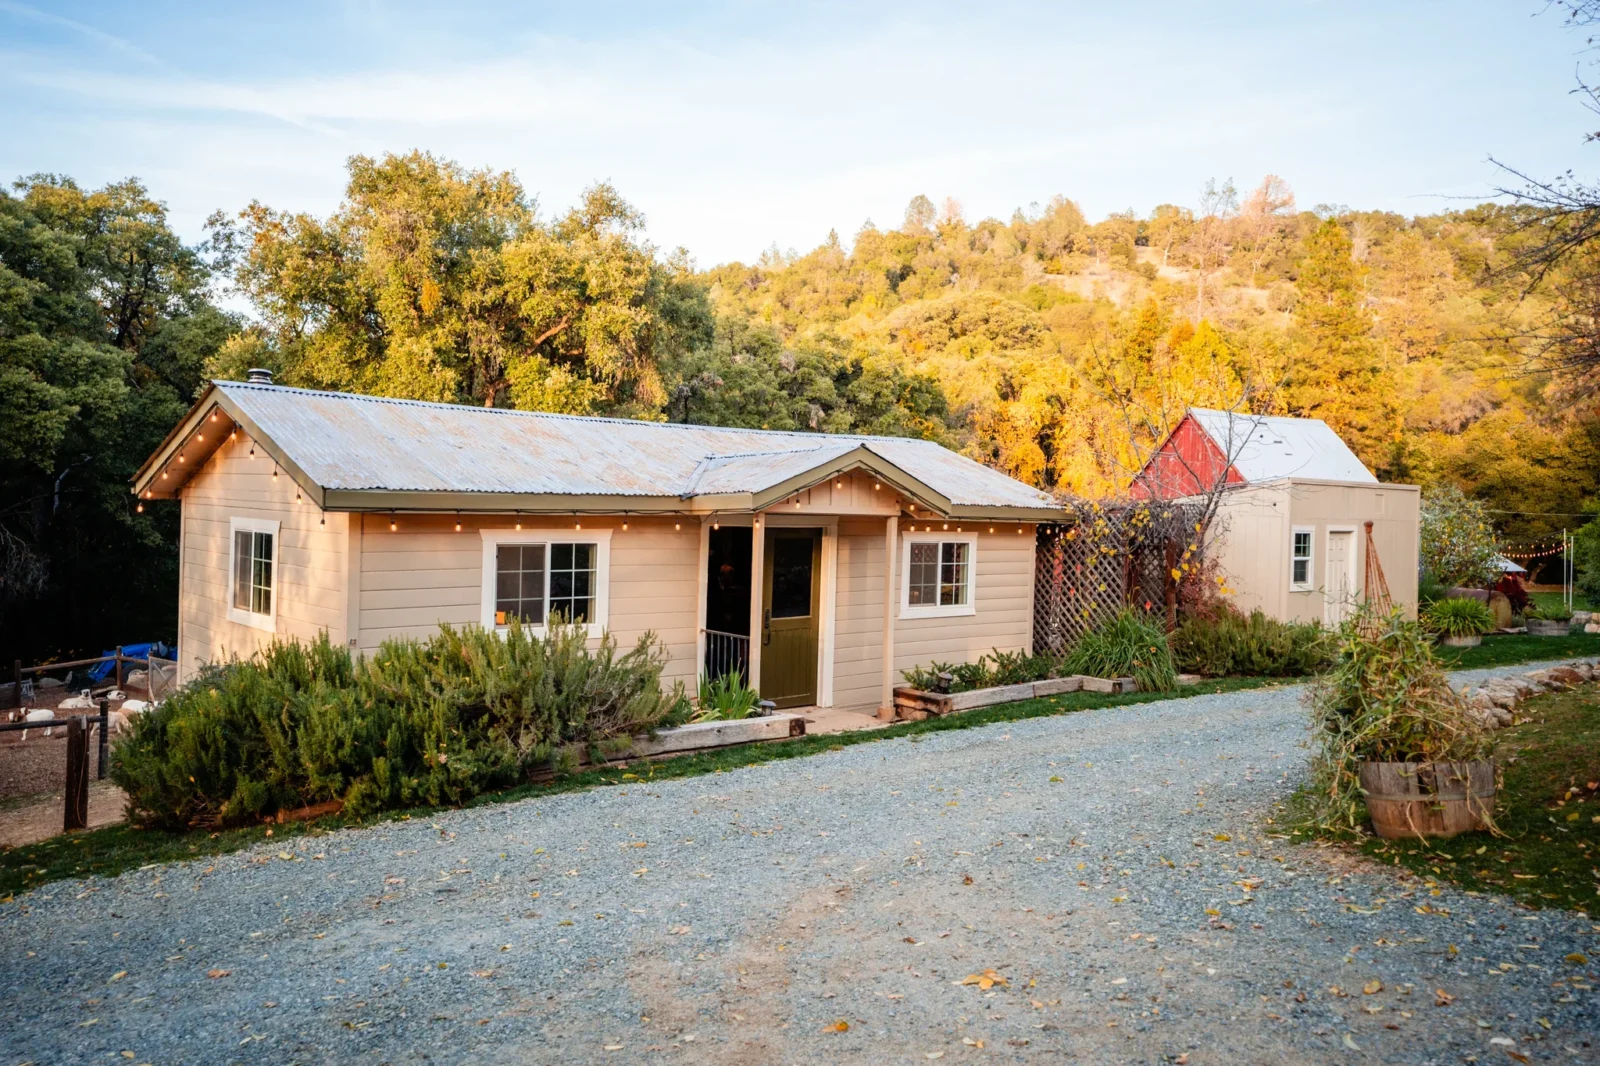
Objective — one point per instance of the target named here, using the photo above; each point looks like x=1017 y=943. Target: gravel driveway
x=1111 y=867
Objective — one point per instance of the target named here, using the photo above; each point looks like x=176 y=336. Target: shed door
x=790 y=602
x=1341 y=584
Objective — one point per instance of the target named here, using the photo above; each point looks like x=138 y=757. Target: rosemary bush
x=1254 y=645
x=430 y=722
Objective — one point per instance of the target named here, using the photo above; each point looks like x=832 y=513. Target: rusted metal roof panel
x=350 y=442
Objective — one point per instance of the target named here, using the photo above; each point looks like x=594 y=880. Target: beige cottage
x=368 y=518
x=1291 y=528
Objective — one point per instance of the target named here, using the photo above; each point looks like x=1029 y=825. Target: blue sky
x=734 y=126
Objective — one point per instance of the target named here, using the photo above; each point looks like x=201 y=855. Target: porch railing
x=726 y=653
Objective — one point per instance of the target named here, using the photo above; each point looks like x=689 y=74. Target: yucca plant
x=1458 y=618
x=1129 y=645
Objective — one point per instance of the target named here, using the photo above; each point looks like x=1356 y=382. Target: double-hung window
x=533 y=576
x=938 y=575
x=1301 y=575
x=253 y=572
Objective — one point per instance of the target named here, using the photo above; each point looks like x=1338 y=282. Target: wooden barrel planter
x=1419 y=800
x=1471 y=641
x=1545 y=627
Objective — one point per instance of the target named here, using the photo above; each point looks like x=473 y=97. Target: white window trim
x=1310 y=583
x=938 y=610
x=600 y=538
x=268 y=621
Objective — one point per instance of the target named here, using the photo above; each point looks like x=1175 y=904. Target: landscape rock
x=1567 y=675
x=1582 y=617
x=137 y=679
x=1592 y=627
x=49 y=682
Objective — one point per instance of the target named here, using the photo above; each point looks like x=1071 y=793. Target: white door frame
x=828 y=608
x=1332 y=611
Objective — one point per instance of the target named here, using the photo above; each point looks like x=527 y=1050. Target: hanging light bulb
x=252 y=449
x=677 y=525
x=716 y=525
x=234 y=435
x=274 y=468
x=991 y=529
x=139 y=508
x=180 y=457
x=297 y=494
x=947 y=525
x=577 y=525
x=213 y=414
x=324 y=520
x=149 y=494
x=624 y=525
x=876 y=486
x=519 y=523
x=458 y=521
x=163 y=475
x=393 y=525
x=199 y=436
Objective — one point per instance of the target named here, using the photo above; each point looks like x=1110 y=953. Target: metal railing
x=726 y=653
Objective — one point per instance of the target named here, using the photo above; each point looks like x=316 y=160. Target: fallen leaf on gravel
x=911 y=940
x=985 y=980
x=1441 y=998
x=1213 y=911
x=119 y=975
x=840 y=1026
x=1221 y=836
x=1519 y=1056
x=1181 y=1060
x=966 y=879
x=483 y=973
x=1350 y=1043
x=1502 y=1041
x=678 y=930
x=934 y=1055
x=214 y=974
x=1577 y=958
x=1372 y=988
x=967 y=1040
x=611 y=1047
x=1054 y=779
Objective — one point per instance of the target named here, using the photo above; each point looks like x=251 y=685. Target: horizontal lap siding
x=425 y=573
x=858 y=615
x=1004 y=617
x=1004 y=602
x=310 y=590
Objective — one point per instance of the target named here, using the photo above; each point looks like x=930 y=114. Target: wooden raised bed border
x=912 y=703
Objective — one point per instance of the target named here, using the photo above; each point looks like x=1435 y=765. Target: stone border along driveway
x=1113 y=869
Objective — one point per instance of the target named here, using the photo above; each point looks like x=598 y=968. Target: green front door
x=790 y=602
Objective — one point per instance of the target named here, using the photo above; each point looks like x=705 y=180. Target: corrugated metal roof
x=345 y=441
x=1268 y=448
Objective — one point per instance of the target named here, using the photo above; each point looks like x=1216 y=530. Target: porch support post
x=758 y=552
x=891 y=538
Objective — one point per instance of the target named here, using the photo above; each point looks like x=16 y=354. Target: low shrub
x=1130 y=645
x=430 y=722
x=1550 y=612
x=994 y=668
x=1253 y=645
x=1386 y=699
x=1458 y=618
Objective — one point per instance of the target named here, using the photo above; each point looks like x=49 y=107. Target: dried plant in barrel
x=1395 y=742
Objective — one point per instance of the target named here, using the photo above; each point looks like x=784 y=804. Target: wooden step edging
x=911 y=703
x=698 y=735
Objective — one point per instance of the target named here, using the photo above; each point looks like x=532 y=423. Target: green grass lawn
x=1548 y=807
x=1508 y=649
x=114 y=849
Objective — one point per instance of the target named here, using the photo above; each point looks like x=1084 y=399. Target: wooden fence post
x=76 y=814
x=119 y=666
x=105 y=740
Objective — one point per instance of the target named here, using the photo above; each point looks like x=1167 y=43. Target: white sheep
x=39 y=714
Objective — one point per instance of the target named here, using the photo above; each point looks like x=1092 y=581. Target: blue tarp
x=101 y=671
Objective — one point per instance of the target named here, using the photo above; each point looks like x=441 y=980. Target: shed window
x=939 y=576
x=1300 y=561
x=253 y=564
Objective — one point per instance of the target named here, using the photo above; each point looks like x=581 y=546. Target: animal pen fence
x=1107 y=557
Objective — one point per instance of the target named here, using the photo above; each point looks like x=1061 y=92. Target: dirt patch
x=30 y=819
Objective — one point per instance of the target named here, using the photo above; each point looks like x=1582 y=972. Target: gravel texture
x=821 y=909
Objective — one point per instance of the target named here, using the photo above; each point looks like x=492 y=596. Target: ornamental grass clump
x=1386 y=699
x=1132 y=645
x=1458 y=617
x=431 y=722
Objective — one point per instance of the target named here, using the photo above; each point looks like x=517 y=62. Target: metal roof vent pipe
x=258 y=375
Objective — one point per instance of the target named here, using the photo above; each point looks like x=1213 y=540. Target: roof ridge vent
x=258 y=375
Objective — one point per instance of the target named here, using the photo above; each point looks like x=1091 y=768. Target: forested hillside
x=1056 y=348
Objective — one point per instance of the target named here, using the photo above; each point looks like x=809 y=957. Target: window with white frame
x=1300 y=573
x=938 y=575
x=253 y=572
x=535 y=575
